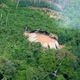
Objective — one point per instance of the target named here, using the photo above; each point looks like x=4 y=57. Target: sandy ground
x=45 y=40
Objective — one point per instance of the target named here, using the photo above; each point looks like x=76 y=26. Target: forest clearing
x=21 y=59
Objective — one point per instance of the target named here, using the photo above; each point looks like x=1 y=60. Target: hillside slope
x=22 y=60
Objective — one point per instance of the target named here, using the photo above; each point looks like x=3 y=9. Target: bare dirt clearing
x=45 y=40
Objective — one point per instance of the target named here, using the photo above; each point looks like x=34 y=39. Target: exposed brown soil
x=45 y=40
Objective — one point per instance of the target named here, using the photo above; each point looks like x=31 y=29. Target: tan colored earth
x=45 y=40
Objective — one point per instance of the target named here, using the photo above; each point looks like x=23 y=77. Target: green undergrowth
x=22 y=60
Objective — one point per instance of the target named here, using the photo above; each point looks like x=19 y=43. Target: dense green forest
x=22 y=60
